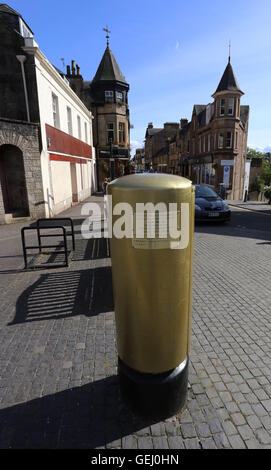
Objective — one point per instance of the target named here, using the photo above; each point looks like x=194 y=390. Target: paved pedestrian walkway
x=58 y=361
x=252 y=206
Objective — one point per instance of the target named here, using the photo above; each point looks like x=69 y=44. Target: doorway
x=74 y=183
x=12 y=179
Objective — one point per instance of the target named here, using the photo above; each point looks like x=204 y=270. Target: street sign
x=247 y=178
x=226 y=179
x=227 y=162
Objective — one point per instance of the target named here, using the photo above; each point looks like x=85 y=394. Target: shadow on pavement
x=84 y=418
x=66 y=294
x=93 y=249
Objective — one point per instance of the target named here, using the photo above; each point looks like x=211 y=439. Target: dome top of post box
x=152 y=181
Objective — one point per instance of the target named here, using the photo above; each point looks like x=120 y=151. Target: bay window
x=110 y=132
x=220 y=141
x=229 y=140
x=109 y=96
x=222 y=107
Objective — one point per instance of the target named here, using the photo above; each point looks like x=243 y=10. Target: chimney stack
x=78 y=70
x=68 y=70
x=183 y=123
x=150 y=125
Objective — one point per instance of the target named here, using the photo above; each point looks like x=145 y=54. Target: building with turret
x=106 y=96
x=212 y=147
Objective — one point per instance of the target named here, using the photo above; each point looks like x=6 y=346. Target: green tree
x=266 y=173
x=268 y=194
x=257 y=185
x=252 y=153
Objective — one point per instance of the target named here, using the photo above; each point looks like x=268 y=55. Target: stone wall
x=25 y=136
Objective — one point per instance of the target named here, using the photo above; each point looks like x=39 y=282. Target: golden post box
x=152 y=285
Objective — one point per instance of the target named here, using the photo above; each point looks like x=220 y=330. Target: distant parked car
x=210 y=206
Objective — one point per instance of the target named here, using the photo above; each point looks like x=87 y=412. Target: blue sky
x=173 y=53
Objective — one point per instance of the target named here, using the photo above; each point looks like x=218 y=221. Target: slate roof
x=4 y=8
x=202 y=118
x=108 y=69
x=185 y=129
x=7 y=9
x=87 y=84
x=152 y=132
x=228 y=81
x=199 y=108
x=58 y=70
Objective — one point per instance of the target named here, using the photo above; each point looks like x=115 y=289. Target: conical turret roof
x=228 y=81
x=108 y=69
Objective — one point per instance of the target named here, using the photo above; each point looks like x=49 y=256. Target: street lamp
x=112 y=161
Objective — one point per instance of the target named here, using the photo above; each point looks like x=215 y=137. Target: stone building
x=107 y=98
x=157 y=146
x=47 y=160
x=212 y=147
x=139 y=160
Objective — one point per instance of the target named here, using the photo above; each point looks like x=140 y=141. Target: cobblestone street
x=58 y=382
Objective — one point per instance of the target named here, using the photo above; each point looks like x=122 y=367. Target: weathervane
x=229 y=51
x=106 y=30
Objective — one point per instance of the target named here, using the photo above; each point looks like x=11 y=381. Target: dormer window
x=231 y=107
x=24 y=30
x=109 y=96
x=222 y=107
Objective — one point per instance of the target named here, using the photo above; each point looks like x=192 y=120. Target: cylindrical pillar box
x=152 y=283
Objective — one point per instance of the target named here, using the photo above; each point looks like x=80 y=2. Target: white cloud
x=177 y=45
x=262 y=148
x=134 y=145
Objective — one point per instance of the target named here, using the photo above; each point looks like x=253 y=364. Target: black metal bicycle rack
x=48 y=222
x=47 y=225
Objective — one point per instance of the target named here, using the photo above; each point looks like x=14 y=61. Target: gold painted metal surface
x=152 y=288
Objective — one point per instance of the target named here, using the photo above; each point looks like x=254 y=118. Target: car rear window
x=205 y=191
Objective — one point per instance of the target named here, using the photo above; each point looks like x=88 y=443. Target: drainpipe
x=22 y=59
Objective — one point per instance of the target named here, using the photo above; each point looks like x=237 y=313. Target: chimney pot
x=73 y=67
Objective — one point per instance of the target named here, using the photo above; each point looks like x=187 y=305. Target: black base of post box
x=154 y=396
